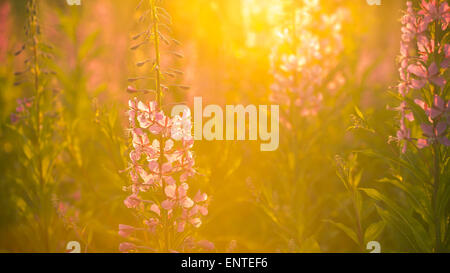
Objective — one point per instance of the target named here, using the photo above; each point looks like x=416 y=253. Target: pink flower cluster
x=303 y=59
x=423 y=62
x=22 y=109
x=161 y=163
x=67 y=213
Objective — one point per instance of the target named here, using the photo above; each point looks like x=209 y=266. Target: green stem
x=34 y=38
x=159 y=106
x=358 y=220
x=435 y=199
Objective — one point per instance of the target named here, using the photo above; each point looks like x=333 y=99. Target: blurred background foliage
x=289 y=200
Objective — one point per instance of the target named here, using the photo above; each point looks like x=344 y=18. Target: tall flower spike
x=34 y=121
x=303 y=61
x=425 y=73
x=161 y=157
x=409 y=34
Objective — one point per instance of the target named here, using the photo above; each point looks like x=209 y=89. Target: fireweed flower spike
x=161 y=163
x=409 y=33
x=423 y=62
x=302 y=60
x=35 y=121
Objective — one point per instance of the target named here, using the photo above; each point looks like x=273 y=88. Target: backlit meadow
x=350 y=100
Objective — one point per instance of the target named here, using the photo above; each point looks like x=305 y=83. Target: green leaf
x=27 y=151
x=357 y=179
x=373 y=231
x=403 y=221
x=359 y=113
x=416 y=195
x=394 y=222
x=350 y=233
x=420 y=176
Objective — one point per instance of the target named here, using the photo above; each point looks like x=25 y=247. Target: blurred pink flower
x=205 y=244
x=152 y=224
x=127 y=247
x=302 y=62
x=22 y=109
x=132 y=201
x=125 y=230
x=402 y=137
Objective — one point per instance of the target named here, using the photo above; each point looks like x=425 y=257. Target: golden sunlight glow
x=292 y=113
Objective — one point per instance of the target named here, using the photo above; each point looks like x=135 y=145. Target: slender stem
x=34 y=38
x=37 y=103
x=157 y=55
x=358 y=219
x=159 y=106
x=435 y=199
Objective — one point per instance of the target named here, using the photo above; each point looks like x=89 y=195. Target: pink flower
x=127 y=247
x=196 y=222
x=434 y=135
x=14 y=118
x=205 y=244
x=181 y=226
x=199 y=208
x=22 y=109
x=166 y=171
x=132 y=201
x=177 y=195
x=431 y=12
x=409 y=22
x=131 y=89
x=405 y=111
x=409 y=33
x=62 y=208
x=140 y=139
x=446 y=62
x=424 y=106
x=155 y=209
x=167 y=204
x=170 y=191
x=200 y=197
x=425 y=47
x=182 y=127
x=125 y=230
x=403 y=136
x=152 y=224
x=439 y=109
x=431 y=75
